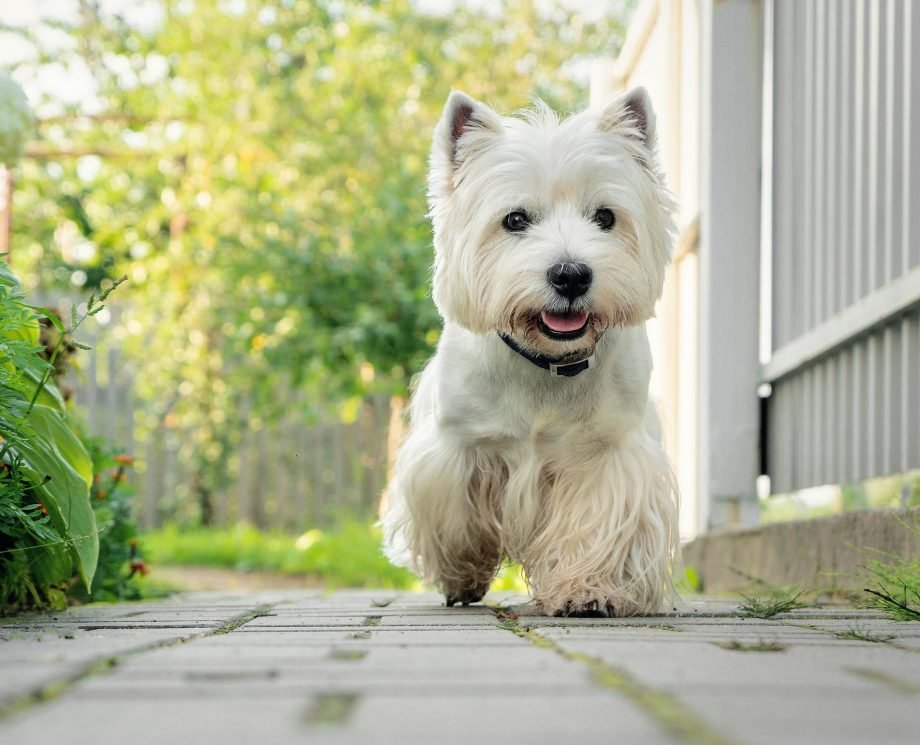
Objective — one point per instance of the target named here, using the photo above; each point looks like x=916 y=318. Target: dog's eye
x=516 y=221
x=604 y=218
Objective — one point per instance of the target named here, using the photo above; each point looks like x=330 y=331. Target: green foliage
x=346 y=556
x=897 y=579
x=690 y=583
x=120 y=562
x=510 y=578
x=33 y=561
x=45 y=469
x=59 y=472
x=886 y=492
x=261 y=178
x=48 y=529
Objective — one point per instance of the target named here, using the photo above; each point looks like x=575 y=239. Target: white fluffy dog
x=531 y=434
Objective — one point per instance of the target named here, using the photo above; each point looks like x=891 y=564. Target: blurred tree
x=258 y=170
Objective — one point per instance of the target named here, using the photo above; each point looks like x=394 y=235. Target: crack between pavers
x=664 y=708
x=890 y=681
x=893 y=642
x=100 y=666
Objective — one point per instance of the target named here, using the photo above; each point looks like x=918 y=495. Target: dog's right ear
x=466 y=126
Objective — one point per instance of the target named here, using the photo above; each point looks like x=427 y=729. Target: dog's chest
x=488 y=397
x=505 y=416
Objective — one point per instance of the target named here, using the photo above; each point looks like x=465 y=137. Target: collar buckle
x=560 y=370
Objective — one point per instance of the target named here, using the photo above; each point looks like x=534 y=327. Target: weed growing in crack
x=897 y=579
x=759 y=646
x=858 y=633
x=777 y=600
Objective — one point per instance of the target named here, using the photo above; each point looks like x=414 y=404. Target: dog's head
x=550 y=231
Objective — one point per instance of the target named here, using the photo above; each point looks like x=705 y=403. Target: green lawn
x=348 y=555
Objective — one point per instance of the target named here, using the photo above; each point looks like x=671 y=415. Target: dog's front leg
x=442 y=520
x=606 y=534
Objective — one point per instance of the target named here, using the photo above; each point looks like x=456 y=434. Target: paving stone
x=393 y=636
x=830 y=718
x=553 y=719
x=151 y=722
x=793 y=695
x=32 y=663
x=378 y=667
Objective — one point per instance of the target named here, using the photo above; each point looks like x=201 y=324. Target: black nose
x=570 y=280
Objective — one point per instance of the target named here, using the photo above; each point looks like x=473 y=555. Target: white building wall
x=669 y=51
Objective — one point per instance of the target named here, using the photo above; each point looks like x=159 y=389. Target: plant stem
x=41 y=384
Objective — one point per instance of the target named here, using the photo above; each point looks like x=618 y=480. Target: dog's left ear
x=631 y=114
x=466 y=126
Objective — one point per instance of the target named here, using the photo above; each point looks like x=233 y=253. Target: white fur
x=565 y=475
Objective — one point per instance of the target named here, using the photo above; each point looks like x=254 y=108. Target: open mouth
x=563 y=326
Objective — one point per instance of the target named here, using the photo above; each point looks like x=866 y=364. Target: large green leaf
x=62 y=472
x=54 y=427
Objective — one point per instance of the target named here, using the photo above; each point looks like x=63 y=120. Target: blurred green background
x=257 y=170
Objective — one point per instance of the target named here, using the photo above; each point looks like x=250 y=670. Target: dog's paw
x=465 y=596
x=591 y=609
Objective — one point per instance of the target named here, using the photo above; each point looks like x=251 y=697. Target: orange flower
x=124 y=459
x=139 y=566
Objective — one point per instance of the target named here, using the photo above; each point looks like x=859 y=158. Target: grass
x=510 y=578
x=331 y=709
x=857 y=633
x=896 y=588
x=772 y=602
x=759 y=646
x=348 y=555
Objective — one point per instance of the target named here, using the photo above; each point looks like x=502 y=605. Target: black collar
x=567 y=369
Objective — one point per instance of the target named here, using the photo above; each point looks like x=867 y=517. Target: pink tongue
x=564 y=323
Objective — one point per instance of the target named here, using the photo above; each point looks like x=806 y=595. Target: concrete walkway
x=384 y=667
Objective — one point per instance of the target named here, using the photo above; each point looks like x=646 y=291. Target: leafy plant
x=48 y=530
x=32 y=559
x=120 y=560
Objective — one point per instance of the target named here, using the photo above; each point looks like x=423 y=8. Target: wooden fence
x=285 y=475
